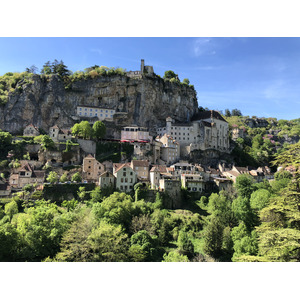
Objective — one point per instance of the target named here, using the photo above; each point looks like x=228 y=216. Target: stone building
x=172 y=187
x=92 y=168
x=170 y=148
x=135 y=133
x=26 y=175
x=193 y=182
x=141 y=168
x=31 y=130
x=125 y=178
x=106 y=179
x=144 y=70
x=207 y=130
x=238 y=133
x=59 y=135
x=102 y=113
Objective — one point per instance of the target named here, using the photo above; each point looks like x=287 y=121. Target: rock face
x=145 y=101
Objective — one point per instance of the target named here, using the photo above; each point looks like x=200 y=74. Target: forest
x=252 y=222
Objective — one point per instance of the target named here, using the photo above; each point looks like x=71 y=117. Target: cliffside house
x=141 y=168
x=92 y=168
x=106 y=179
x=31 y=130
x=88 y=111
x=125 y=178
x=170 y=148
x=207 y=130
x=59 y=135
x=26 y=175
x=193 y=182
x=136 y=133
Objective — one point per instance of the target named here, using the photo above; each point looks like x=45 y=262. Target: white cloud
x=204 y=46
x=96 y=50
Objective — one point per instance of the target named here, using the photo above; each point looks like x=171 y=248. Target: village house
x=156 y=173
x=238 y=133
x=170 y=149
x=193 y=182
x=92 y=168
x=106 y=180
x=59 y=135
x=26 y=175
x=257 y=175
x=172 y=187
x=125 y=178
x=207 y=130
x=183 y=167
x=89 y=111
x=222 y=183
x=141 y=168
x=31 y=130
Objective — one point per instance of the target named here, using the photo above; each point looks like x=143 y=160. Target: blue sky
x=259 y=76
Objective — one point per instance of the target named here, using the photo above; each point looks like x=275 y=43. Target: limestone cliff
x=145 y=101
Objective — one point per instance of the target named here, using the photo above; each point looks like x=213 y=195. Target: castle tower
x=168 y=125
x=142 y=65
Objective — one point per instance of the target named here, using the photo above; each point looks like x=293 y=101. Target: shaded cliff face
x=144 y=102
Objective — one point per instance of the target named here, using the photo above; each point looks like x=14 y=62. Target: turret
x=142 y=65
x=168 y=125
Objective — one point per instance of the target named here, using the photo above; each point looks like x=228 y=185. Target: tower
x=168 y=125
x=142 y=65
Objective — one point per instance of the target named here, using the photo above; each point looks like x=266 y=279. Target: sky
x=259 y=76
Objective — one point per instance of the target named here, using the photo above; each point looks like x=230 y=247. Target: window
x=85 y=109
x=131 y=173
x=122 y=179
x=106 y=116
x=80 y=108
x=124 y=174
x=91 y=109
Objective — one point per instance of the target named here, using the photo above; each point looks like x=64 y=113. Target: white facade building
x=207 y=130
x=94 y=111
x=135 y=133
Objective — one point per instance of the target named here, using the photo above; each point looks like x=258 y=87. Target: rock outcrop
x=145 y=101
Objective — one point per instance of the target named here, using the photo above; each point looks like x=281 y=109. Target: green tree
x=75 y=130
x=74 y=245
x=185 y=245
x=186 y=81
x=244 y=185
x=174 y=256
x=64 y=177
x=170 y=74
x=77 y=177
x=5 y=143
x=109 y=243
x=213 y=237
x=243 y=211
x=47 y=142
x=227 y=113
x=260 y=199
x=99 y=130
x=11 y=208
x=52 y=177
x=86 y=130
